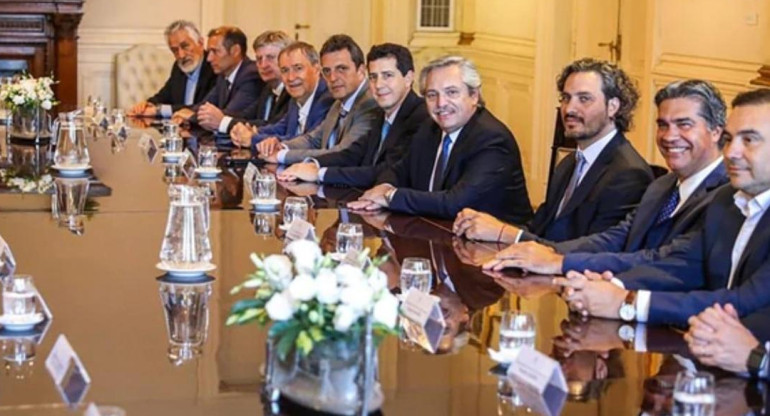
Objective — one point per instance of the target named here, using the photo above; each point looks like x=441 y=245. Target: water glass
x=174 y=144
x=207 y=156
x=264 y=187
x=294 y=207
x=186 y=309
x=517 y=330
x=117 y=119
x=19 y=296
x=170 y=129
x=350 y=237
x=694 y=394
x=416 y=273
x=264 y=223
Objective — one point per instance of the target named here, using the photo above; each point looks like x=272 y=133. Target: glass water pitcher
x=71 y=148
x=186 y=241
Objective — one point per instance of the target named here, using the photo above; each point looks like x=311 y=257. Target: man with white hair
x=191 y=77
x=463 y=158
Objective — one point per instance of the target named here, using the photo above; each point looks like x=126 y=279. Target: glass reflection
x=19 y=350
x=68 y=203
x=186 y=311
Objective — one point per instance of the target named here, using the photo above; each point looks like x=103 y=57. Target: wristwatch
x=627 y=333
x=757 y=357
x=627 y=310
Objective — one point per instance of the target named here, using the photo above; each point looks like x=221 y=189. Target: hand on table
x=717 y=338
x=307 y=171
x=530 y=256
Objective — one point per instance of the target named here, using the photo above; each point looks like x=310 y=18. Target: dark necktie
x=580 y=164
x=440 y=169
x=669 y=206
x=337 y=129
x=383 y=135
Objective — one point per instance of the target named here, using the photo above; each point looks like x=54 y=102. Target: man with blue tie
x=391 y=74
x=604 y=180
x=191 y=78
x=691 y=118
x=463 y=157
x=310 y=100
x=726 y=261
x=238 y=83
x=351 y=116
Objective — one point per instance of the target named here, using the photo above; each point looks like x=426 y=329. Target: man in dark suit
x=351 y=116
x=464 y=157
x=310 y=99
x=191 y=78
x=238 y=84
x=691 y=118
x=724 y=262
x=604 y=180
x=273 y=101
x=391 y=74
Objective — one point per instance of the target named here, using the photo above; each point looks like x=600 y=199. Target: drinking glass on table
x=517 y=329
x=19 y=295
x=264 y=187
x=350 y=237
x=694 y=394
x=294 y=207
x=416 y=273
x=174 y=144
x=207 y=156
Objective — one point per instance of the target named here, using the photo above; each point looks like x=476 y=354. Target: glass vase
x=30 y=124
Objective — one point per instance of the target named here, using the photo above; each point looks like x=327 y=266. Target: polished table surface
x=100 y=284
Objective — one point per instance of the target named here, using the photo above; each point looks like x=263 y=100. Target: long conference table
x=100 y=282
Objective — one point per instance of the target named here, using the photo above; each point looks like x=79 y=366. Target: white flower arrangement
x=312 y=299
x=26 y=185
x=28 y=92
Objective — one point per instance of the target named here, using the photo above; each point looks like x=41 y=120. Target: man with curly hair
x=603 y=181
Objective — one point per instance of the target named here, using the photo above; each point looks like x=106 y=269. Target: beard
x=590 y=129
x=188 y=66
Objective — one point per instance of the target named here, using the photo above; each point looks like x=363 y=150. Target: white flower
x=18 y=100
x=279 y=307
x=344 y=317
x=386 y=310
x=378 y=280
x=305 y=253
x=302 y=288
x=327 y=290
x=358 y=296
x=278 y=270
x=348 y=274
x=46 y=104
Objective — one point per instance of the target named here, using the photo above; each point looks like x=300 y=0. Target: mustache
x=573 y=117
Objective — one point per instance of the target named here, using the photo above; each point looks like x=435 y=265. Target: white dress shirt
x=189 y=91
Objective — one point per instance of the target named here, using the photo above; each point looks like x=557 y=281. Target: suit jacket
x=286 y=127
x=278 y=108
x=609 y=190
x=636 y=239
x=356 y=125
x=246 y=88
x=173 y=90
x=694 y=274
x=484 y=172
x=359 y=164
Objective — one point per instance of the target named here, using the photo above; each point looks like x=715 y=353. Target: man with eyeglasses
x=596 y=187
x=349 y=119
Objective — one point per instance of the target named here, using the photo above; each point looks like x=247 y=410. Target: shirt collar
x=392 y=117
x=453 y=135
x=688 y=186
x=348 y=104
x=309 y=102
x=751 y=206
x=195 y=74
x=278 y=89
x=231 y=77
x=592 y=152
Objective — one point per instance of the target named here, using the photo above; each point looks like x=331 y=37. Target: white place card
x=7 y=262
x=46 y=309
x=424 y=323
x=537 y=370
x=300 y=230
x=144 y=141
x=190 y=156
x=251 y=172
x=66 y=369
x=152 y=150
x=92 y=410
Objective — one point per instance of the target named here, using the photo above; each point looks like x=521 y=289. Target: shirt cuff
x=619 y=283
x=224 y=124
x=282 y=155
x=165 y=111
x=321 y=174
x=313 y=161
x=518 y=236
x=643 y=305
x=640 y=338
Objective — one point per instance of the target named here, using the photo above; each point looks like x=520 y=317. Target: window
x=435 y=15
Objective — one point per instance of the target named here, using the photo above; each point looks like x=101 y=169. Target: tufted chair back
x=141 y=70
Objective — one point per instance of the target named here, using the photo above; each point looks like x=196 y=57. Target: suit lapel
x=647 y=213
x=758 y=239
x=398 y=124
x=556 y=189
x=714 y=180
x=592 y=176
x=727 y=230
x=330 y=122
x=458 y=149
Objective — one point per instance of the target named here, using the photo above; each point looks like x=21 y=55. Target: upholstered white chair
x=140 y=71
